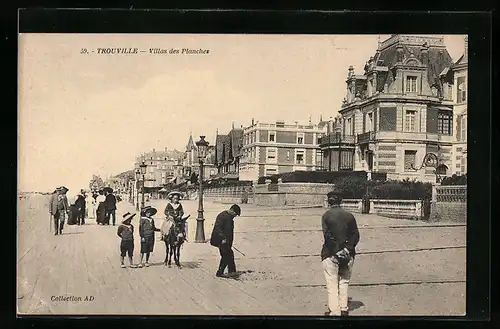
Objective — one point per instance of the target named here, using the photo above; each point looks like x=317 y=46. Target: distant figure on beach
x=80 y=204
x=101 y=209
x=59 y=209
x=110 y=205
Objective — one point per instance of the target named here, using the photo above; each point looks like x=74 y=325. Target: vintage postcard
x=242 y=174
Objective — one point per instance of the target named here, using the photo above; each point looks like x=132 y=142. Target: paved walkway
x=403 y=267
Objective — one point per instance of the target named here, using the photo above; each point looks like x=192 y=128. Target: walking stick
x=238 y=250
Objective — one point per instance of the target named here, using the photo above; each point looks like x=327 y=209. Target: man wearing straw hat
x=126 y=233
x=59 y=209
x=147 y=231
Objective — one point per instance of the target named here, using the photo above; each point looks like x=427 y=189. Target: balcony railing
x=337 y=139
x=366 y=137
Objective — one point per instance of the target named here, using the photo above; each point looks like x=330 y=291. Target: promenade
x=402 y=268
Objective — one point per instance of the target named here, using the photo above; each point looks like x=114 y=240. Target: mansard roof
x=412 y=46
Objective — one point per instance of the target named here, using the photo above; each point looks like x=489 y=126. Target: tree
x=96 y=182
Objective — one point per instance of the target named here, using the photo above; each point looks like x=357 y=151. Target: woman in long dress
x=101 y=209
x=92 y=204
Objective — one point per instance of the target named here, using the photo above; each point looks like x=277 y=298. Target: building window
x=410 y=158
x=272 y=137
x=369 y=122
x=463 y=126
x=271 y=154
x=318 y=138
x=348 y=127
x=271 y=171
x=299 y=156
x=445 y=123
x=411 y=84
x=346 y=160
x=410 y=120
x=319 y=160
x=461 y=90
x=300 y=138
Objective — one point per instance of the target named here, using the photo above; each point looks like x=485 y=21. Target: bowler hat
x=148 y=210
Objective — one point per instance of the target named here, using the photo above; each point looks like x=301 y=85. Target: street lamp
x=202 y=145
x=430 y=160
x=143 y=172
x=137 y=177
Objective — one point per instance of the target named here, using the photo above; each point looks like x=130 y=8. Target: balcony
x=337 y=139
x=367 y=137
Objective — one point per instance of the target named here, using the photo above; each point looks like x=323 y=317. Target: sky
x=84 y=114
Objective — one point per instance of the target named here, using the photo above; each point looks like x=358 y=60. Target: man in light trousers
x=341 y=235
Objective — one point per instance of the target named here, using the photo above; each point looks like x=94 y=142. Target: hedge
x=455 y=180
x=314 y=176
x=355 y=188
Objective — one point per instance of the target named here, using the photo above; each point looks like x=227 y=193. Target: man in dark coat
x=80 y=204
x=222 y=237
x=59 y=209
x=341 y=235
x=110 y=205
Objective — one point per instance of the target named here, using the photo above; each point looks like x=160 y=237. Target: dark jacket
x=175 y=214
x=125 y=232
x=110 y=203
x=147 y=228
x=80 y=202
x=340 y=231
x=223 y=229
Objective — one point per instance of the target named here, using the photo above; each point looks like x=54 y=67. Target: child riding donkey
x=174 y=228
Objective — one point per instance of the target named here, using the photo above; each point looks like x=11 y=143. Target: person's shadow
x=354 y=304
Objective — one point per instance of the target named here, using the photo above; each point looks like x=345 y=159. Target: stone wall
x=449 y=203
x=291 y=194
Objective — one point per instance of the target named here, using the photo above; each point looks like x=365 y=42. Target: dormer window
x=411 y=84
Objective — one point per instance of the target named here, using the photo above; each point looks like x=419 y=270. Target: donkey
x=174 y=240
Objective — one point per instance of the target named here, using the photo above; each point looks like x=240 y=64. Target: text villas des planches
x=154 y=51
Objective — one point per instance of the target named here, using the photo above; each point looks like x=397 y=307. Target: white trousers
x=337 y=284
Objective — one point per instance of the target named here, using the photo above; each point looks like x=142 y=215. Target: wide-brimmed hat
x=62 y=188
x=334 y=194
x=148 y=210
x=171 y=194
x=108 y=189
x=127 y=217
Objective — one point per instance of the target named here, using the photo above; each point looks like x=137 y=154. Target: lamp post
x=143 y=172
x=137 y=177
x=202 y=145
x=430 y=160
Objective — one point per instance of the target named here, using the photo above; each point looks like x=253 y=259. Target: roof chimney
x=253 y=121
x=154 y=150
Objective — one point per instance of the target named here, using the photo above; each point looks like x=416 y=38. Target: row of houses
x=410 y=100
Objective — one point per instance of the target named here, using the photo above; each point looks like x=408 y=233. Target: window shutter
x=432 y=120
x=459 y=128
x=388 y=117
x=375 y=128
x=364 y=121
